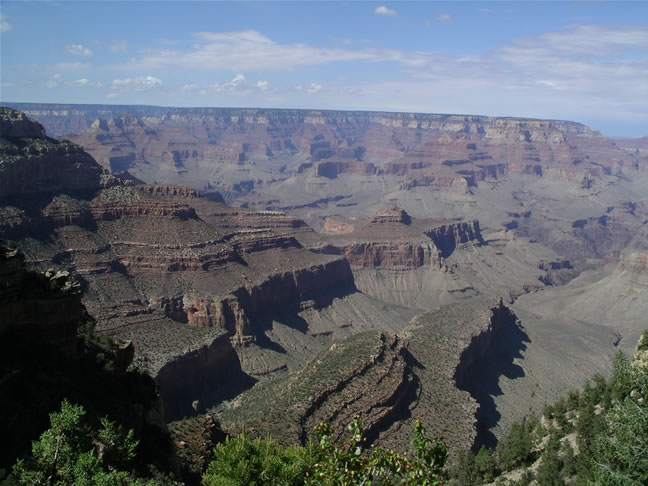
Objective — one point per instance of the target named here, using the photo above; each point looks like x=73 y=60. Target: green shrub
x=71 y=453
x=325 y=460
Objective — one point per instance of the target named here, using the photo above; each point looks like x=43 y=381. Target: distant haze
x=580 y=61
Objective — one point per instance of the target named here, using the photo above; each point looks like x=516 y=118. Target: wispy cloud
x=251 y=51
x=382 y=10
x=314 y=88
x=238 y=85
x=78 y=50
x=445 y=18
x=583 y=40
x=601 y=66
x=5 y=26
x=141 y=83
x=118 y=46
x=86 y=83
x=54 y=81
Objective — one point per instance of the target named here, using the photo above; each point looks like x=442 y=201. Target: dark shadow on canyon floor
x=200 y=380
x=489 y=357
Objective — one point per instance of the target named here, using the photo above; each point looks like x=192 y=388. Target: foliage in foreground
x=596 y=436
x=71 y=453
x=326 y=461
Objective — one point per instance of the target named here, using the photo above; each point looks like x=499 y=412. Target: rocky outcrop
x=331 y=169
x=390 y=255
x=170 y=191
x=448 y=237
x=390 y=216
x=189 y=383
x=460 y=351
x=245 y=309
x=15 y=124
x=391 y=240
x=491 y=352
x=45 y=305
x=388 y=380
x=49 y=352
x=370 y=377
x=559 y=272
x=33 y=163
x=109 y=204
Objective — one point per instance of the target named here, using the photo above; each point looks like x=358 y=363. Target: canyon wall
x=34 y=163
x=448 y=152
x=194 y=381
x=246 y=308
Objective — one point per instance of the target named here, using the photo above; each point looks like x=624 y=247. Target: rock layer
x=34 y=163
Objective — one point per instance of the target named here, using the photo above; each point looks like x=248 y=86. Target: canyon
x=281 y=267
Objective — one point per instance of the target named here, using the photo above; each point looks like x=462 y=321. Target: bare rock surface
x=340 y=226
x=34 y=163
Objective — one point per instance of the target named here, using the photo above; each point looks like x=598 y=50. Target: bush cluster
x=598 y=435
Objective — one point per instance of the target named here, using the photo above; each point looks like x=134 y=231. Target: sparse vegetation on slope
x=326 y=461
x=598 y=435
x=48 y=353
x=71 y=452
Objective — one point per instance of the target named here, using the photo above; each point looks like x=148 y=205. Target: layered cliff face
x=395 y=253
x=49 y=352
x=386 y=380
x=216 y=298
x=447 y=152
x=418 y=262
x=184 y=277
x=240 y=311
x=46 y=305
x=318 y=164
x=365 y=374
x=33 y=163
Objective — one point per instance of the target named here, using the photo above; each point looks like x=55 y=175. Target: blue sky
x=582 y=61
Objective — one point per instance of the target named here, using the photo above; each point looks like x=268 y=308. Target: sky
x=580 y=61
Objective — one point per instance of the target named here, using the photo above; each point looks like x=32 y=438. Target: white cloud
x=4 y=25
x=72 y=66
x=583 y=40
x=236 y=86
x=78 y=50
x=118 y=46
x=251 y=51
x=314 y=88
x=141 y=83
x=86 y=83
x=382 y=10
x=445 y=18
x=54 y=81
x=237 y=83
x=601 y=66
